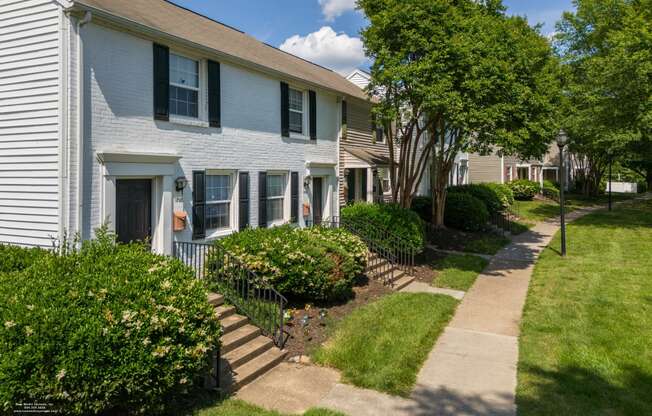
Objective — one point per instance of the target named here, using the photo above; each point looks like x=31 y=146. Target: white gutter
x=80 y=120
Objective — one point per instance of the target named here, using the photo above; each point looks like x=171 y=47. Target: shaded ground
x=306 y=335
x=483 y=242
x=449 y=271
x=585 y=343
x=233 y=407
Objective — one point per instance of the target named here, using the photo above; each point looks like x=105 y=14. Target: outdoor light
x=562 y=140
x=304 y=320
x=180 y=183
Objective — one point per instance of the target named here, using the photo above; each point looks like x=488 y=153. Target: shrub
x=550 y=190
x=465 y=212
x=484 y=193
x=308 y=264
x=400 y=222
x=14 y=259
x=524 y=190
x=504 y=193
x=422 y=205
x=110 y=329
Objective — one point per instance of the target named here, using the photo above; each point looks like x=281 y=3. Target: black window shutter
x=161 y=82
x=262 y=199
x=285 y=110
x=214 y=105
x=374 y=129
x=294 y=189
x=313 y=114
x=379 y=134
x=198 y=205
x=243 y=196
x=350 y=181
x=344 y=114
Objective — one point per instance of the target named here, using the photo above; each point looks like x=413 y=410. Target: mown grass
x=541 y=210
x=383 y=345
x=458 y=271
x=585 y=344
x=486 y=244
x=233 y=407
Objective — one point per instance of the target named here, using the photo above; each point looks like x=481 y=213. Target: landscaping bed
x=584 y=344
x=470 y=242
x=304 y=339
x=383 y=345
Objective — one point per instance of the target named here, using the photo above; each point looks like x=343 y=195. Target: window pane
x=275 y=185
x=296 y=122
x=217 y=215
x=218 y=188
x=183 y=102
x=184 y=71
x=296 y=100
x=275 y=209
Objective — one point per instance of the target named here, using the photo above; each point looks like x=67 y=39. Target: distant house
x=503 y=169
x=164 y=124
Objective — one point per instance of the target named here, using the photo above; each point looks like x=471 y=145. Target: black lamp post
x=562 y=140
x=611 y=158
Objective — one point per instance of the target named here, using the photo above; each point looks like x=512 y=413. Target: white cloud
x=337 y=51
x=334 y=8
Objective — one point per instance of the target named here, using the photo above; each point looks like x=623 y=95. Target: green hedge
x=13 y=258
x=504 y=193
x=550 y=190
x=303 y=264
x=400 y=222
x=422 y=205
x=110 y=329
x=465 y=212
x=492 y=199
x=524 y=190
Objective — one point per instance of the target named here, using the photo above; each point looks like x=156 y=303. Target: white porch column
x=165 y=219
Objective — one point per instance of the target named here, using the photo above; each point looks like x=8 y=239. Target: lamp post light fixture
x=562 y=140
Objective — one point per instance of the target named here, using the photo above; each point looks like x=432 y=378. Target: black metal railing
x=241 y=287
x=388 y=252
x=503 y=221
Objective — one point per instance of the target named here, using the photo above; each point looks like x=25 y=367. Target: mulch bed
x=423 y=269
x=304 y=339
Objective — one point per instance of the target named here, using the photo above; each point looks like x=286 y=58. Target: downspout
x=80 y=119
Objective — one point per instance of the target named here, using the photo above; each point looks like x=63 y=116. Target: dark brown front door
x=317 y=208
x=133 y=209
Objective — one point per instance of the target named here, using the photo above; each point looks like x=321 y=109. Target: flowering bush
x=401 y=222
x=106 y=329
x=524 y=190
x=14 y=258
x=308 y=264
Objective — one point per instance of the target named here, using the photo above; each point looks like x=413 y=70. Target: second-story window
x=296 y=111
x=184 y=86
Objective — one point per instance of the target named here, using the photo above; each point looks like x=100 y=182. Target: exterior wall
x=484 y=168
x=358 y=135
x=30 y=121
x=119 y=90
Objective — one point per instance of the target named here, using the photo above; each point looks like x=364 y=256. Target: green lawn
x=586 y=335
x=486 y=244
x=458 y=271
x=383 y=345
x=538 y=210
x=234 y=407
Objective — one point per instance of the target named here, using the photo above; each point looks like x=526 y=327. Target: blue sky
x=326 y=31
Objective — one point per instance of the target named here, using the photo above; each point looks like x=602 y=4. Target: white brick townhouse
x=158 y=121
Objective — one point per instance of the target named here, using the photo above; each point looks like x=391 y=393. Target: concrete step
x=257 y=367
x=402 y=282
x=396 y=275
x=233 y=322
x=239 y=337
x=248 y=351
x=215 y=299
x=223 y=311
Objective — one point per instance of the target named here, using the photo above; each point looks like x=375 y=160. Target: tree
x=456 y=76
x=606 y=46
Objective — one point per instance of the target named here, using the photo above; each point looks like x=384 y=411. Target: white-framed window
x=219 y=193
x=385 y=183
x=184 y=86
x=296 y=111
x=276 y=183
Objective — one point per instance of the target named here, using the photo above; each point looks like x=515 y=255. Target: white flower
x=10 y=324
x=166 y=284
x=61 y=374
x=28 y=331
x=183 y=380
x=30 y=307
x=146 y=342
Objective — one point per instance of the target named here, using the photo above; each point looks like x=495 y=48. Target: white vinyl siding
x=29 y=122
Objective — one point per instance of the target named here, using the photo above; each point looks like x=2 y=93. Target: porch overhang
x=368 y=157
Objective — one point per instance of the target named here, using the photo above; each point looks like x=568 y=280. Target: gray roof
x=170 y=19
